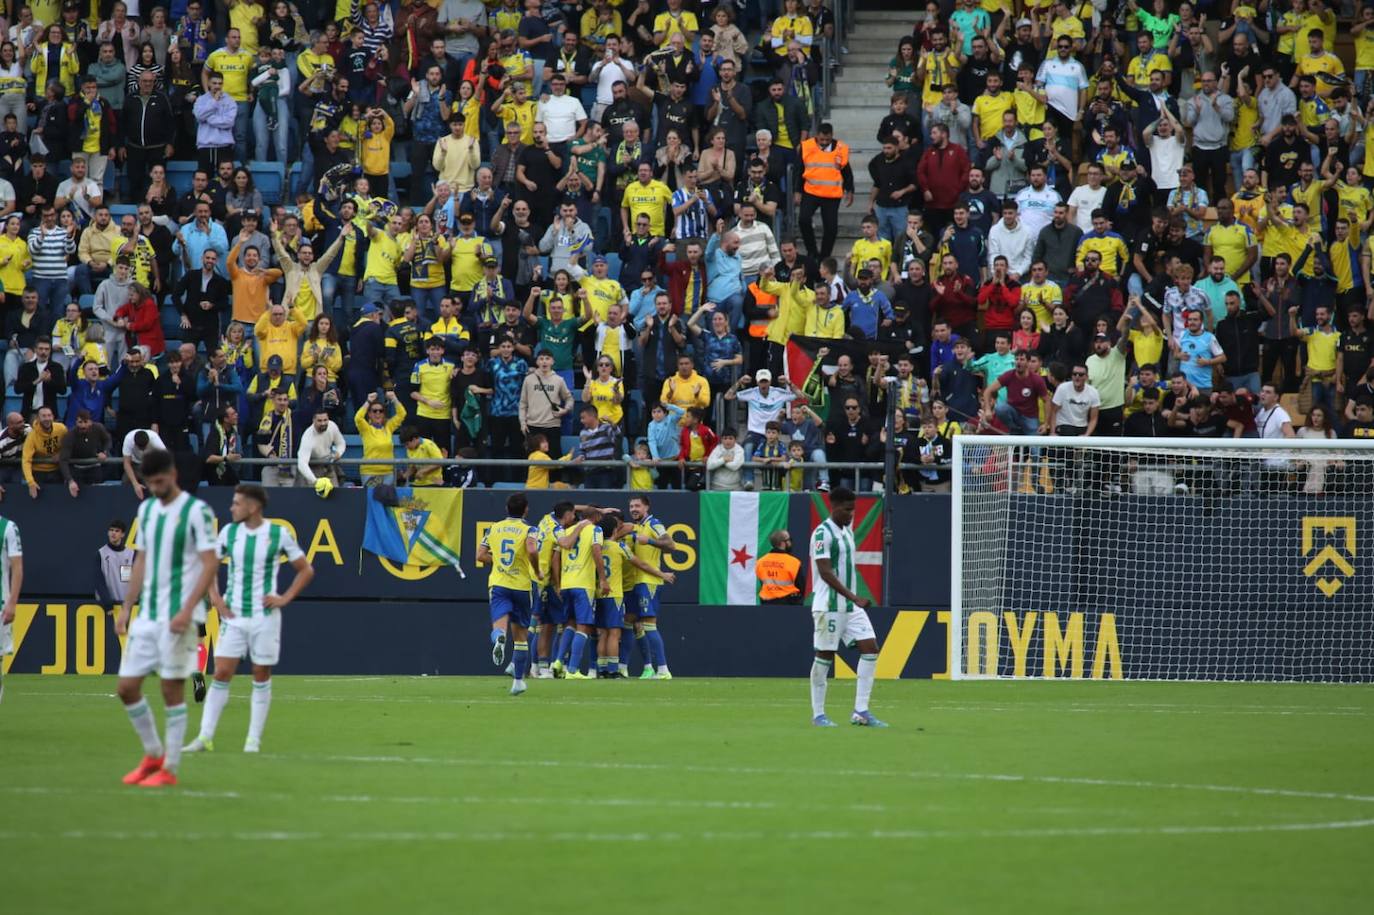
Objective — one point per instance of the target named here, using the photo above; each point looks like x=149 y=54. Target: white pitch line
x=848 y=773
x=666 y=837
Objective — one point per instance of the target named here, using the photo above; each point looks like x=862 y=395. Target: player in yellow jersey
x=583 y=579
x=641 y=604
x=616 y=555
x=511 y=547
x=548 y=605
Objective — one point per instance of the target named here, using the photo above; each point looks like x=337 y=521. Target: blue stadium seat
x=568 y=442
x=506 y=485
x=612 y=264
x=87 y=302
x=270 y=180
x=119 y=210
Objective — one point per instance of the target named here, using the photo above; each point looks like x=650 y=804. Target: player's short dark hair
x=517 y=505
x=141 y=439
x=640 y=497
x=156 y=461
x=562 y=508
x=254 y=491
x=842 y=494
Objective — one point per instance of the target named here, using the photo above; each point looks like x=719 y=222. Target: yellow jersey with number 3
x=510 y=565
x=579 y=566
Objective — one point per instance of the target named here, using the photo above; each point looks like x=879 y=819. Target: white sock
x=868 y=666
x=176 y=735
x=214 y=707
x=820 y=669
x=257 y=715
x=145 y=726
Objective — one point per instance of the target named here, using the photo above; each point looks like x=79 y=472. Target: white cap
x=763 y=375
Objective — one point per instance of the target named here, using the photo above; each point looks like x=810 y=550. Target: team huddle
x=583 y=572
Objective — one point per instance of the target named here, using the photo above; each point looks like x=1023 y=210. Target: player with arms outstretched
x=250 y=610
x=173 y=571
x=641 y=601
x=511 y=548
x=583 y=579
x=838 y=611
x=11 y=580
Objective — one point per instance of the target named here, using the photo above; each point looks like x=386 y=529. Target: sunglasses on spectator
x=1080 y=374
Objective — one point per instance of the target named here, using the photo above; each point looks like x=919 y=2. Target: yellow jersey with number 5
x=579 y=565
x=645 y=531
x=510 y=565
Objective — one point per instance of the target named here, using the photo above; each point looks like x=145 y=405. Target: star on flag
x=740 y=556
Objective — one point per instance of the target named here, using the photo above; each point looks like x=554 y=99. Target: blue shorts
x=577 y=606
x=646 y=601
x=547 y=606
x=512 y=603
x=610 y=613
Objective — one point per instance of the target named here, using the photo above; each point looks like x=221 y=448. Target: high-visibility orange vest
x=821 y=169
x=777 y=572
x=758 y=327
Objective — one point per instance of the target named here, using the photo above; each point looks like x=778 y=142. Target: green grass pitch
x=446 y=795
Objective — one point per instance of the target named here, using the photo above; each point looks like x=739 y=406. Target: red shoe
x=146 y=768
x=159 y=779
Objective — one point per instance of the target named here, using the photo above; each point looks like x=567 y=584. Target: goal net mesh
x=1162 y=559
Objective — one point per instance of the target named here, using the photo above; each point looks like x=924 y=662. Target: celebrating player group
x=583 y=572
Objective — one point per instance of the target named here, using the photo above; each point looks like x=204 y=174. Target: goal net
x=1177 y=559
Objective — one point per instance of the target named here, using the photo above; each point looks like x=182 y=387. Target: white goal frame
x=966 y=458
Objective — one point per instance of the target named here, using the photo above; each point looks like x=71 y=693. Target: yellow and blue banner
x=424 y=528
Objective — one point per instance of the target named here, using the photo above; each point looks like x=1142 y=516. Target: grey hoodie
x=558 y=243
x=110 y=295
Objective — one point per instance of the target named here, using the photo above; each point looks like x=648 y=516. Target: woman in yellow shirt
x=14 y=260
x=470 y=109
x=322 y=348
x=238 y=350
x=792 y=25
x=425 y=252
x=68 y=336
x=604 y=391
x=68 y=64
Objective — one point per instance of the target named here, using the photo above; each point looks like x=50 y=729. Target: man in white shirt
x=561 y=114
x=1087 y=197
x=1065 y=82
x=80 y=190
x=1011 y=239
x=1037 y=201
x=1272 y=420
x=136 y=444
x=1073 y=412
x=608 y=71
x=7 y=198
x=321 y=447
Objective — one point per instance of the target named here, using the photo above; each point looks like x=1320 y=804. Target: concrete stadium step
x=863 y=74
x=866 y=18
x=869 y=54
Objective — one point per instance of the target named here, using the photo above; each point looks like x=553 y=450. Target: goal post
x=1164 y=559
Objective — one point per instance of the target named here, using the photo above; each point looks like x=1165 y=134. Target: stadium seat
x=119 y=210
x=400 y=171
x=270 y=180
x=87 y=302
x=612 y=264
x=179 y=175
x=567 y=443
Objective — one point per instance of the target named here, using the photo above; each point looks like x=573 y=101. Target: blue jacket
x=93 y=397
x=865 y=314
x=665 y=435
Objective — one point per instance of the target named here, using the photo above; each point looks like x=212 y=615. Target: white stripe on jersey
x=835 y=543
x=10 y=548
x=252 y=555
x=172 y=537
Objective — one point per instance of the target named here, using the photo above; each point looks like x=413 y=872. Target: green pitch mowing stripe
x=429 y=794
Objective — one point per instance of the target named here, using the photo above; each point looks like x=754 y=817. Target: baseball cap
x=250 y=214
x=1102 y=337
x=763 y=375
x=599 y=259
x=274 y=362
x=489 y=262
x=1026 y=23
x=368 y=309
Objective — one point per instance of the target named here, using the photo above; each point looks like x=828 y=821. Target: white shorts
x=6 y=639
x=257 y=638
x=837 y=629
x=153 y=646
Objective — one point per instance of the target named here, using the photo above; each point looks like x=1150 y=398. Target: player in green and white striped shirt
x=838 y=611
x=172 y=574
x=11 y=580
x=250 y=610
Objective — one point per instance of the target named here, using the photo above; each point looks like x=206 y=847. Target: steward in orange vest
x=779 y=572
x=826 y=178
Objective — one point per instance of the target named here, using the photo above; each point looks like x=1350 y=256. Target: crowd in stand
x=563 y=232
